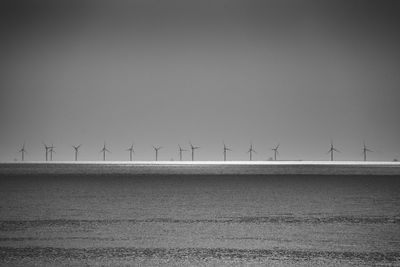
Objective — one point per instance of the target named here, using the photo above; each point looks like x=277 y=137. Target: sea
x=204 y=214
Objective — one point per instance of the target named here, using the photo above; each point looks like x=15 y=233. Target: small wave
x=285 y=220
x=320 y=220
x=8 y=254
x=19 y=239
x=88 y=225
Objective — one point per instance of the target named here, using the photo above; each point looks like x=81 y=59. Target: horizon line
x=214 y=162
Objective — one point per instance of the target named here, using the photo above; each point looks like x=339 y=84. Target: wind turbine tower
x=250 y=151
x=131 y=151
x=104 y=150
x=46 y=151
x=23 y=151
x=76 y=151
x=225 y=150
x=193 y=148
x=275 y=151
x=332 y=150
x=365 y=150
x=51 y=150
x=156 y=150
x=180 y=152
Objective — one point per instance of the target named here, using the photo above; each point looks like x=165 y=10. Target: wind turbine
x=156 y=150
x=226 y=149
x=131 y=151
x=104 y=150
x=22 y=151
x=46 y=149
x=193 y=148
x=76 y=151
x=180 y=152
x=250 y=151
x=332 y=150
x=51 y=150
x=365 y=150
x=276 y=151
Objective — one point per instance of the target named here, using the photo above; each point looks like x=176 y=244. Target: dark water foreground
x=189 y=256
x=52 y=219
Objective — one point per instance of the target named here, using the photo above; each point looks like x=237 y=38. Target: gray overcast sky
x=165 y=72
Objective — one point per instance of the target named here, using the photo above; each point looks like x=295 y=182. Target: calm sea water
x=186 y=220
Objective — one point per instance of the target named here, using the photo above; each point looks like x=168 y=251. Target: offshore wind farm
x=188 y=166
x=50 y=150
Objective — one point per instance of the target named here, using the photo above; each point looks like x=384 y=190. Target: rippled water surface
x=189 y=220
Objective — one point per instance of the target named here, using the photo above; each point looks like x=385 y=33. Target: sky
x=163 y=73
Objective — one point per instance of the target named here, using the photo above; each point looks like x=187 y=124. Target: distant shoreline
x=212 y=162
x=143 y=168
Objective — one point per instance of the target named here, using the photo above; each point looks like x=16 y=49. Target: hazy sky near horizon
x=298 y=73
